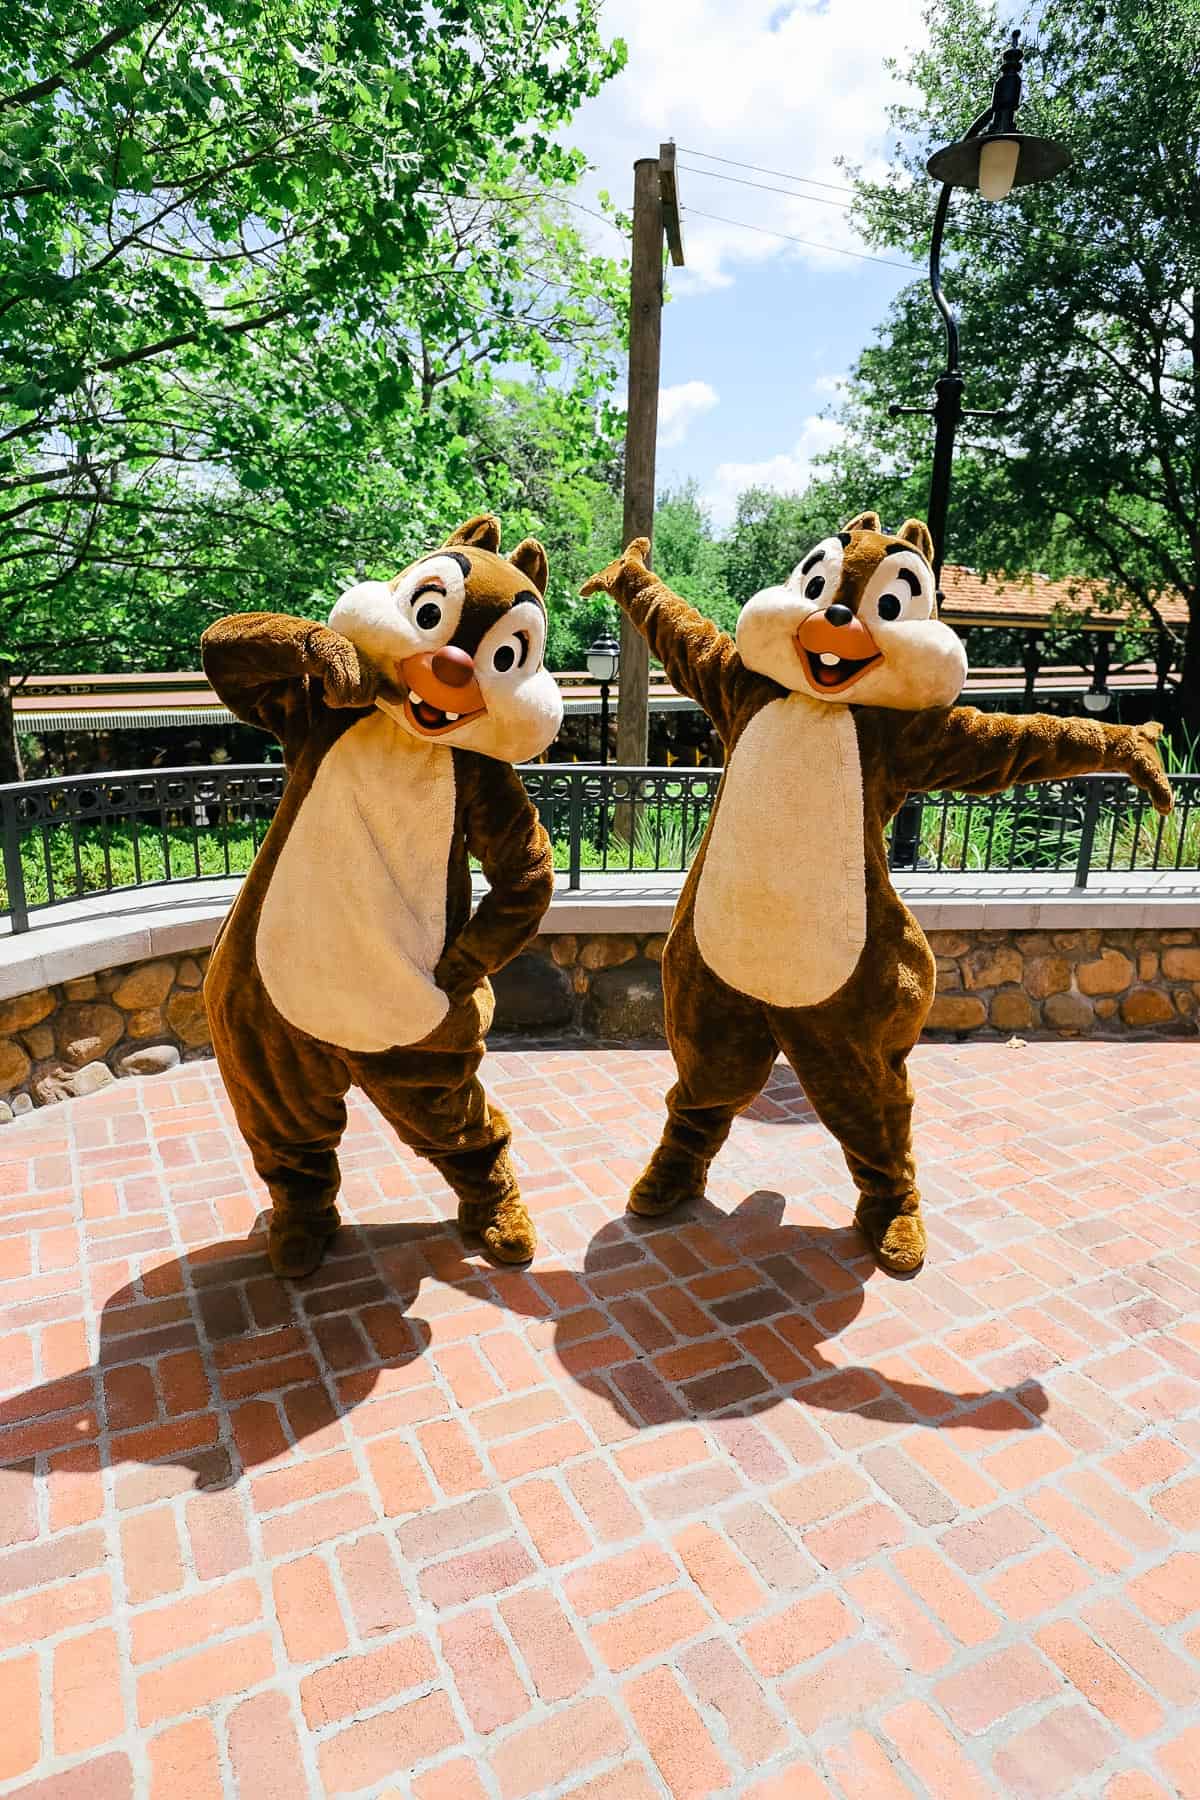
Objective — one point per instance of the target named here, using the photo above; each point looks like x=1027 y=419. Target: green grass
x=965 y=837
x=116 y=857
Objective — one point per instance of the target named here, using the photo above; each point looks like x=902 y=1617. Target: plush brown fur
x=311 y=687
x=849 y=1049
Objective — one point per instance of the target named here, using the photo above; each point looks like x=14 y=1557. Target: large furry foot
x=297 y=1246
x=506 y=1228
x=670 y=1178
x=897 y=1238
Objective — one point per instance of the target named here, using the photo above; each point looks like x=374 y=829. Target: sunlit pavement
x=711 y=1507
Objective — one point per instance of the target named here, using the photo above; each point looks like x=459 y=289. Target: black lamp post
x=994 y=158
x=603 y=661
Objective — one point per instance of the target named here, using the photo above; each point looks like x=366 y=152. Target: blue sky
x=758 y=330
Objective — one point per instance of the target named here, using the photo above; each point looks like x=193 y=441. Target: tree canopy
x=1080 y=304
x=259 y=270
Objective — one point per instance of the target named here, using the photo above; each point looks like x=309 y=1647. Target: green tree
x=771 y=533
x=256 y=263
x=1080 y=304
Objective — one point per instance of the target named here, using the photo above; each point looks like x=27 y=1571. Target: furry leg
x=724 y=1053
x=670 y=1178
x=299 y=1233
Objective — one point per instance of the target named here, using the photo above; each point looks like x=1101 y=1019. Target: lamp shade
x=603 y=659
x=1038 y=159
x=1097 y=702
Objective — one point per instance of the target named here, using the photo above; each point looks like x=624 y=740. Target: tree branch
x=42 y=89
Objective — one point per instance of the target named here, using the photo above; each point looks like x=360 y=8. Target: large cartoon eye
x=902 y=598
x=427 y=612
x=814 y=588
x=511 y=653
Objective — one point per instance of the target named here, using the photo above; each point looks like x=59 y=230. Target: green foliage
x=1080 y=304
x=257 y=266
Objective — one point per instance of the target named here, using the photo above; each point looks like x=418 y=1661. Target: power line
x=740 y=181
x=780 y=174
x=809 y=243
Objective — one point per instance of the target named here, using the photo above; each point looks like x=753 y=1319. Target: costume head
x=460 y=637
x=856 y=622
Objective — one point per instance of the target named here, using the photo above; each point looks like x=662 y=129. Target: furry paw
x=667 y=1183
x=507 y=1230
x=1146 y=769
x=611 y=580
x=899 y=1243
x=296 y=1247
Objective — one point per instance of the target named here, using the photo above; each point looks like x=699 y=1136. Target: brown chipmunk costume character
x=834 y=704
x=351 y=954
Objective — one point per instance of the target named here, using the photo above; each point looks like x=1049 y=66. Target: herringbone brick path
x=707 y=1508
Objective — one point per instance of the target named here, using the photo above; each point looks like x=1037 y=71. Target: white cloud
x=785 y=87
x=787 y=473
x=679 y=407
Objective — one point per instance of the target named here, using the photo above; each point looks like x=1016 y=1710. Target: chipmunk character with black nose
x=351 y=955
x=835 y=703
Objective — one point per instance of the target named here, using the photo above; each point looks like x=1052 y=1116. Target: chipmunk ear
x=480 y=533
x=530 y=558
x=867 y=521
x=916 y=533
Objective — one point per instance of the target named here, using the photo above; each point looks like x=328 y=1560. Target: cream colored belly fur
x=354 y=919
x=781 y=906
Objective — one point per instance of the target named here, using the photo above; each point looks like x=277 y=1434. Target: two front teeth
x=829 y=659
x=450 y=718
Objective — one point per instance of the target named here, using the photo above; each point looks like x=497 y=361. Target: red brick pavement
x=712 y=1508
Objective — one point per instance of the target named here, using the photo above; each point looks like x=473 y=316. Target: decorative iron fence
x=89 y=834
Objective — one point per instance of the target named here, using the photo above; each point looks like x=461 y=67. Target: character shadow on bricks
x=734 y=1314
x=210 y=1368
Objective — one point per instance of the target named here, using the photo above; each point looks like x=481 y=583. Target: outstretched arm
x=700 y=659
x=983 y=753
x=504 y=832
x=270 y=668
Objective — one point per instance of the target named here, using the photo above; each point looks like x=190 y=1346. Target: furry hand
x=458 y=975
x=1143 y=765
x=616 y=578
x=347 y=675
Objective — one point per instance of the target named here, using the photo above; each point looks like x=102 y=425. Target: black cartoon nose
x=453 y=666
x=839 y=615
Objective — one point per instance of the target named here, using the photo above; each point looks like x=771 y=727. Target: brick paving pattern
x=690 y=1508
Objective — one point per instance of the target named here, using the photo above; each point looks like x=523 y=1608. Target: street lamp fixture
x=995 y=158
x=1098 y=699
x=604 y=661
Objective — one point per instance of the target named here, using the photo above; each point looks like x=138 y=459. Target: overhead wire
x=779 y=174
x=809 y=243
x=739 y=181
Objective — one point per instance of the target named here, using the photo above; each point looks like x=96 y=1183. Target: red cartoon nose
x=453 y=667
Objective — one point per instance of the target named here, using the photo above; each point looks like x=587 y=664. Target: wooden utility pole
x=655 y=210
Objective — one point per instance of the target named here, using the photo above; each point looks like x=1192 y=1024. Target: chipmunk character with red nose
x=834 y=704
x=351 y=955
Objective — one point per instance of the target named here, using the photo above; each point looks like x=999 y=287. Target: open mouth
x=427 y=717
x=825 y=670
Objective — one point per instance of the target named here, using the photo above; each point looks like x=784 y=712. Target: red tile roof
x=973 y=599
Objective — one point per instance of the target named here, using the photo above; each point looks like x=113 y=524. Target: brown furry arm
x=983 y=753
x=505 y=833
x=261 y=665
x=700 y=659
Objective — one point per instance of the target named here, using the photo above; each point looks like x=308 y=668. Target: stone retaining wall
x=77 y=1036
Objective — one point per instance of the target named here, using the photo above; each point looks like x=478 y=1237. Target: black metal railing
x=93 y=834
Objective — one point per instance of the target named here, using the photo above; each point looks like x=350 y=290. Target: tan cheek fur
x=924 y=664
x=766 y=628
x=520 y=722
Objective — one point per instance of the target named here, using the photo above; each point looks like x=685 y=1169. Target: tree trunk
x=10 y=755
